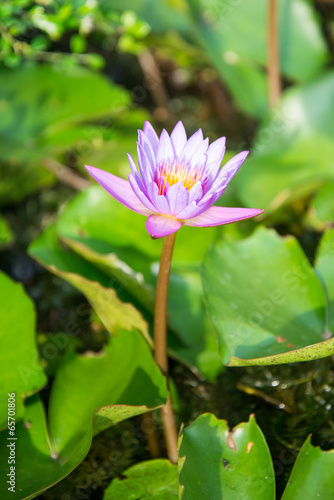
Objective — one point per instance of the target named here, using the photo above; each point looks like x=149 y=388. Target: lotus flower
x=178 y=181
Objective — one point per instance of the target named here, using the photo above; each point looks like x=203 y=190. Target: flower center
x=168 y=174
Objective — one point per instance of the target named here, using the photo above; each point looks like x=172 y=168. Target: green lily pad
x=265 y=313
x=6 y=235
x=155 y=479
x=90 y=393
x=324 y=267
x=123 y=374
x=285 y=156
x=57 y=99
x=217 y=463
x=113 y=266
x=312 y=476
x=35 y=467
x=21 y=372
x=91 y=282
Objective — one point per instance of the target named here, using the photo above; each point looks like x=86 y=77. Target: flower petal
x=217 y=186
x=230 y=168
x=178 y=138
x=192 y=144
x=216 y=216
x=200 y=151
x=165 y=149
x=159 y=225
x=215 y=155
x=177 y=197
x=145 y=164
x=196 y=192
x=119 y=188
x=132 y=164
x=138 y=188
x=159 y=201
x=150 y=154
x=151 y=136
x=189 y=211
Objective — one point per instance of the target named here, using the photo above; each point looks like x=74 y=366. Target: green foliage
x=127 y=383
x=30 y=30
x=6 y=235
x=156 y=479
x=293 y=152
x=124 y=374
x=115 y=250
x=318 y=481
x=324 y=267
x=240 y=60
x=21 y=372
x=321 y=211
x=266 y=304
x=263 y=311
x=217 y=463
x=105 y=301
x=48 y=119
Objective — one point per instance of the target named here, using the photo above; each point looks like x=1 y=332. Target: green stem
x=160 y=342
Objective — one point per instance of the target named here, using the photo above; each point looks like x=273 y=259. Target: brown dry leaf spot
x=280 y=339
x=249 y=446
x=230 y=442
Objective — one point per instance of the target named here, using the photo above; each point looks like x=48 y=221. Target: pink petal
x=119 y=188
x=216 y=216
x=178 y=138
x=225 y=175
x=151 y=136
x=231 y=168
x=139 y=190
x=192 y=144
x=200 y=151
x=132 y=164
x=165 y=149
x=177 y=197
x=145 y=164
x=146 y=145
x=189 y=211
x=215 y=154
x=159 y=225
x=159 y=201
x=196 y=192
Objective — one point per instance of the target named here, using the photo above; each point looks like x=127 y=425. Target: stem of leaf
x=274 y=79
x=160 y=342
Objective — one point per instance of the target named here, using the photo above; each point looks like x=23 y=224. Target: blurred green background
x=77 y=79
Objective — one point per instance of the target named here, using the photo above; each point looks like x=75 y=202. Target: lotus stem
x=160 y=343
x=274 y=79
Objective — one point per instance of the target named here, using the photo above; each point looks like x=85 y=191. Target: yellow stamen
x=176 y=172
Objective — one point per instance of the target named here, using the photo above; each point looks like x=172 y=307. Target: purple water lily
x=178 y=181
